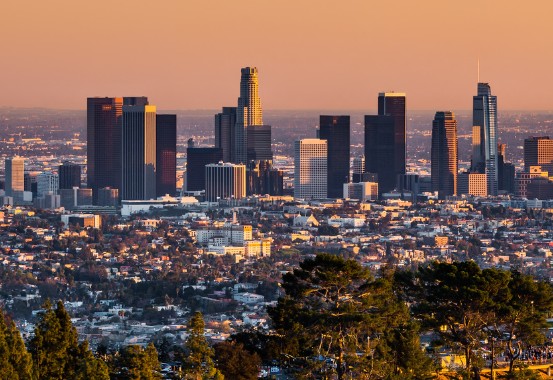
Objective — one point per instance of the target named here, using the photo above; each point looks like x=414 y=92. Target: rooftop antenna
x=478 y=69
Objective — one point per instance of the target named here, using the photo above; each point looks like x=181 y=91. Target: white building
x=225 y=181
x=47 y=182
x=363 y=191
x=235 y=233
x=310 y=168
x=129 y=207
x=248 y=298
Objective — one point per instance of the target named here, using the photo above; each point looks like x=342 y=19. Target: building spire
x=478 y=70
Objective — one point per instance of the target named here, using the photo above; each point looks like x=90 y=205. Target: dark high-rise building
x=262 y=179
x=259 y=143
x=104 y=144
x=380 y=149
x=135 y=101
x=509 y=172
x=108 y=197
x=138 y=152
x=500 y=165
x=444 y=154
x=540 y=188
x=538 y=151
x=196 y=160
x=225 y=123
x=336 y=131
x=166 y=155
x=104 y=117
x=385 y=140
x=69 y=175
x=364 y=177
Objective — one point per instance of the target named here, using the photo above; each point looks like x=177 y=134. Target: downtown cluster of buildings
x=131 y=159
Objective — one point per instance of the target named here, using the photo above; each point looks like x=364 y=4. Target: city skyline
x=51 y=63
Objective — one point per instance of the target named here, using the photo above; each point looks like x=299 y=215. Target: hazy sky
x=317 y=54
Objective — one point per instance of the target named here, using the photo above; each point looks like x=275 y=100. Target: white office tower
x=139 y=152
x=225 y=181
x=47 y=182
x=14 y=175
x=248 y=112
x=310 y=169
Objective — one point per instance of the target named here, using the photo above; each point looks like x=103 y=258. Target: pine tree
x=198 y=364
x=332 y=306
x=92 y=369
x=135 y=363
x=235 y=362
x=54 y=347
x=15 y=361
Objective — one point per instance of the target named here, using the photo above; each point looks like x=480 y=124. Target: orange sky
x=316 y=54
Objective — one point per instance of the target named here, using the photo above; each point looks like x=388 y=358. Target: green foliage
x=328 y=230
x=54 y=346
x=136 y=363
x=15 y=361
x=456 y=301
x=332 y=306
x=92 y=369
x=399 y=355
x=235 y=362
x=522 y=313
x=197 y=363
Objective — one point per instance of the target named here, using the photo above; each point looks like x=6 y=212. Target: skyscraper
x=225 y=123
x=196 y=160
x=484 y=130
x=444 y=156
x=380 y=150
x=104 y=117
x=14 y=175
x=259 y=143
x=69 y=175
x=47 y=182
x=166 y=155
x=262 y=179
x=538 y=151
x=385 y=140
x=310 y=168
x=138 y=152
x=248 y=112
x=336 y=131
x=225 y=181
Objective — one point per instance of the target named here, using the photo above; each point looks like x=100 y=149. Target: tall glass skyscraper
x=484 y=136
x=248 y=113
x=138 y=152
x=336 y=131
x=444 y=154
x=166 y=155
x=385 y=140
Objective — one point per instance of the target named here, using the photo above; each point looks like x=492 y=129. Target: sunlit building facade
x=310 y=169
